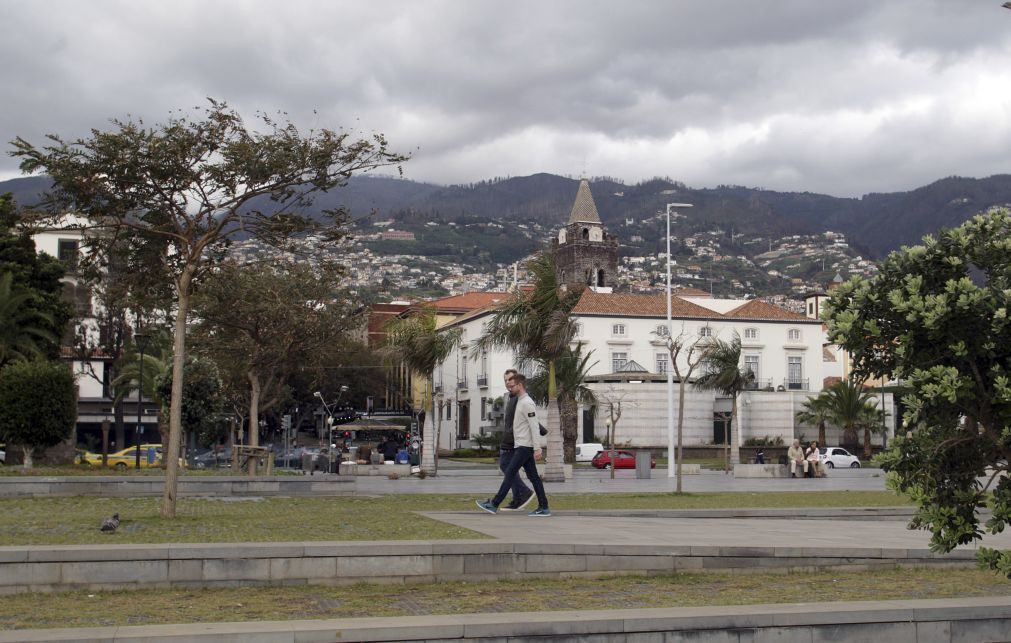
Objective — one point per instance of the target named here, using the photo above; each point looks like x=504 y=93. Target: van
x=586 y=451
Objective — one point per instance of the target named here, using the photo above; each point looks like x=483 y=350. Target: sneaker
x=540 y=512
x=487 y=506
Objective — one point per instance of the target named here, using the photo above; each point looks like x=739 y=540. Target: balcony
x=437 y=389
x=795 y=385
x=461 y=385
x=482 y=381
x=759 y=384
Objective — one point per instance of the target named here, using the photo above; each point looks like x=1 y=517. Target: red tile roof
x=761 y=310
x=466 y=302
x=594 y=303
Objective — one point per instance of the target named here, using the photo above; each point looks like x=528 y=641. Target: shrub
x=38 y=405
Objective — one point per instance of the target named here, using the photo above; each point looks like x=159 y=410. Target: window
x=794 y=372
x=578 y=330
x=67 y=252
x=810 y=309
x=662 y=362
x=793 y=335
x=751 y=333
x=618 y=330
x=705 y=331
x=662 y=330
x=617 y=361
x=484 y=364
x=449 y=410
x=751 y=364
x=463 y=362
x=484 y=408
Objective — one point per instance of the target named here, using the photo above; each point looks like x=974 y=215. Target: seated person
x=795 y=455
x=814 y=462
x=390 y=449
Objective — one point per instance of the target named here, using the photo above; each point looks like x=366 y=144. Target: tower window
x=586 y=233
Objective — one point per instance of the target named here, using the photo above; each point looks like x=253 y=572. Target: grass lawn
x=75 y=521
x=93 y=609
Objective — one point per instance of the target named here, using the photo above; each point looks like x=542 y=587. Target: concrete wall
x=94 y=567
x=122 y=486
x=917 y=621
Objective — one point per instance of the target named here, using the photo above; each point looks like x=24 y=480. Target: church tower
x=585 y=254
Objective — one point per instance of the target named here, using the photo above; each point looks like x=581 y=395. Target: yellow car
x=150 y=456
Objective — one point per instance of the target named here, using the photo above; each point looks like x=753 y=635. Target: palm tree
x=20 y=330
x=722 y=372
x=815 y=411
x=536 y=323
x=851 y=407
x=570 y=376
x=417 y=342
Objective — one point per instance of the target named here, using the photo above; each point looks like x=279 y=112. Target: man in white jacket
x=525 y=453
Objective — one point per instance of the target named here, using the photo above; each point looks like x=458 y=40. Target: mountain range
x=874 y=223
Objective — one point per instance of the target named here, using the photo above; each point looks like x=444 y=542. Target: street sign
x=415 y=444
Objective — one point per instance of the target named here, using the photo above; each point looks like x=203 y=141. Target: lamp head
x=344 y=389
x=318 y=395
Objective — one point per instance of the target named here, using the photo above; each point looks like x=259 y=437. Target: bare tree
x=614 y=403
x=692 y=349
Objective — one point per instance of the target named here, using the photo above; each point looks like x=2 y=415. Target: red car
x=620 y=459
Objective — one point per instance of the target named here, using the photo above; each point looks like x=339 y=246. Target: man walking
x=525 y=427
x=521 y=493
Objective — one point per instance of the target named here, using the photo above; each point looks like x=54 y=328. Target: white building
x=783 y=349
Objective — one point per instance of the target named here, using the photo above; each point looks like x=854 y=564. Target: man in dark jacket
x=521 y=493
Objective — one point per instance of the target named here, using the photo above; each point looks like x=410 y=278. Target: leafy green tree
x=38 y=405
x=35 y=283
x=417 y=342
x=936 y=317
x=182 y=192
x=571 y=370
x=23 y=329
x=722 y=372
x=537 y=323
x=852 y=407
x=262 y=321
x=202 y=399
x=815 y=411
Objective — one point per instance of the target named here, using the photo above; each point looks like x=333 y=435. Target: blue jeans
x=520 y=490
x=523 y=457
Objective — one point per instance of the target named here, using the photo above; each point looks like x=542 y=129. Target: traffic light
x=346 y=434
x=286 y=422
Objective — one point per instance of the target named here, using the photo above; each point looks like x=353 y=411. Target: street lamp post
x=329 y=419
x=670 y=367
x=141 y=340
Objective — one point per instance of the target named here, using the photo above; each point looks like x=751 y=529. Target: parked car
x=833 y=457
x=211 y=458
x=150 y=456
x=3 y=454
x=586 y=450
x=619 y=459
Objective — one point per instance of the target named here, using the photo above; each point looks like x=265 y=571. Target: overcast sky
x=843 y=98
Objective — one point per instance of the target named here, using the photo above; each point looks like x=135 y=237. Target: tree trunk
x=554 y=471
x=569 y=416
x=850 y=440
x=867 y=442
x=254 y=417
x=183 y=288
x=821 y=433
x=681 y=424
x=26 y=463
x=428 y=445
x=735 y=435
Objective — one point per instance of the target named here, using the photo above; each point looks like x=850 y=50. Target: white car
x=586 y=451
x=833 y=457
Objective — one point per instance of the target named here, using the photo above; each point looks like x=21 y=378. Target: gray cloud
x=842 y=98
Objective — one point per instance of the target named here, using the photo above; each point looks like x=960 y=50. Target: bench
x=764 y=471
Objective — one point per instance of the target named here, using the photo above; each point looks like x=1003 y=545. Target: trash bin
x=642 y=464
x=306 y=461
x=402 y=457
x=415 y=459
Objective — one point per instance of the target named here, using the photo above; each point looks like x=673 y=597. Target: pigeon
x=110 y=525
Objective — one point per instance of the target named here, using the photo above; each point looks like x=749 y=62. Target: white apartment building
x=783 y=349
